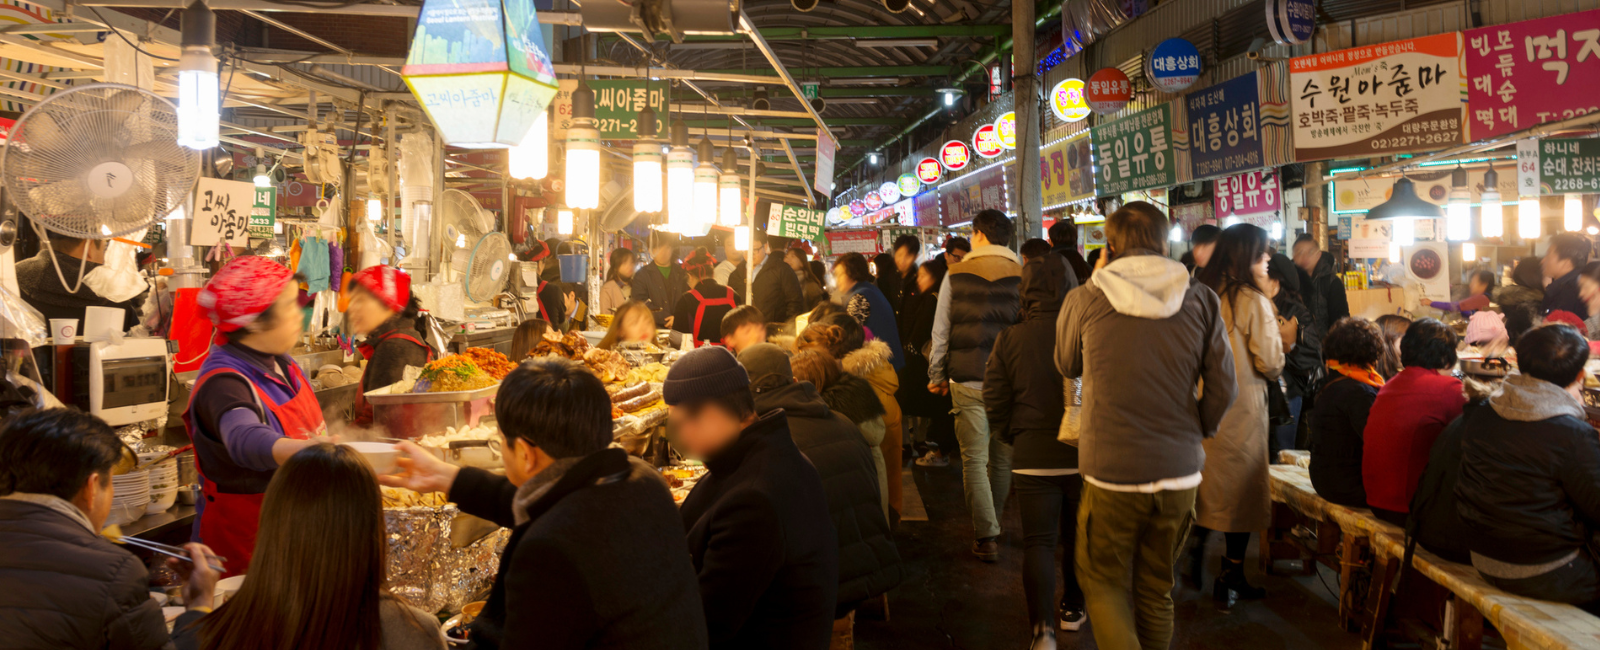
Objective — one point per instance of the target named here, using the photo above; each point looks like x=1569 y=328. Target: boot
x=1044 y=637
x=1231 y=586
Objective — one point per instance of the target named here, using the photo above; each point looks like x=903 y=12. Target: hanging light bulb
x=261 y=178
x=741 y=238
x=1277 y=230
x=1458 y=211
x=1572 y=212
x=647 y=164
x=374 y=209
x=199 y=101
x=1469 y=252
x=1405 y=232
x=680 y=180
x=531 y=158
x=1528 y=226
x=1491 y=217
x=564 y=222
x=872 y=158
x=1176 y=234
x=705 y=187
x=1394 y=252
x=583 y=152
x=730 y=201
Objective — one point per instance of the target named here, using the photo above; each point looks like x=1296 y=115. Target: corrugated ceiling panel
x=1499 y=12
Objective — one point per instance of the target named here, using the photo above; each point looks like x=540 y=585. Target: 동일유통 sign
x=1135 y=152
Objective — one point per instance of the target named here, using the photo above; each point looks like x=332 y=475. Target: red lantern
x=1108 y=91
x=954 y=155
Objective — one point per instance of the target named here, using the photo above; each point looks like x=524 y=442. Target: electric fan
x=98 y=161
x=463 y=223
x=488 y=267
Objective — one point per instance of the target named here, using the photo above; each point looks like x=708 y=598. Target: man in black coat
x=759 y=531
x=777 y=289
x=869 y=564
x=62 y=585
x=1325 y=295
x=1064 y=241
x=1529 y=488
x=594 y=559
x=661 y=281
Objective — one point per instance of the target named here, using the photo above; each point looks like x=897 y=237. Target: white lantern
x=199 y=101
x=564 y=222
x=730 y=199
x=1572 y=212
x=705 y=188
x=680 y=189
x=1528 y=226
x=531 y=159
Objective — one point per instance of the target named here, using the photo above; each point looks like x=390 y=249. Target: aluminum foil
x=426 y=570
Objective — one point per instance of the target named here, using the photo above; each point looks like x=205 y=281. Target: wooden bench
x=1448 y=601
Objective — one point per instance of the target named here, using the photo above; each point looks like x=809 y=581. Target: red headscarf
x=241 y=291
x=392 y=286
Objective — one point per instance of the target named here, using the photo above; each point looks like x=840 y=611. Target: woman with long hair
x=618 y=288
x=317 y=577
x=852 y=397
x=633 y=323
x=527 y=337
x=810 y=284
x=1394 y=328
x=932 y=410
x=1235 y=496
x=843 y=338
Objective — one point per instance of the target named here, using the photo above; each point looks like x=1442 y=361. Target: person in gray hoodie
x=1158 y=375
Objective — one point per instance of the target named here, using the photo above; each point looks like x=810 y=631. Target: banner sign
x=1066 y=171
x=1005 y=128
x=1403 y=96
x=1174 y=65
x=221 y=212
x=1223 y=128
x=986 y=141
x=1108 y=91
x=1291 y=22
x=929 y=171
x=1525 y=73
x=794 y=222
x=1250 y=193
x=822 y=179
x=1569 y=165
x=1527 y=168
x=616 y=107
x=1192 y=215
x=864 y=242
x=1355 y=194
x=903 y=213
x=961 y=198
x=264 y=213
x=926 y=209
x=909 y=185
x=1135 y=152
x=1067 y=101
x=955 y=155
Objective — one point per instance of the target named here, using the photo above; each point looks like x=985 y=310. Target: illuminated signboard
x=889 y=192
x=909 y=184
x=873 y=201
x=1006 y=129
x=929 y=171
x=1108 y=91
x=1067 y=101
x=954 y=155
x=986 y=141
x=858 y=207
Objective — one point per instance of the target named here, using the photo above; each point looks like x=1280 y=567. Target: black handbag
x=1278 y=413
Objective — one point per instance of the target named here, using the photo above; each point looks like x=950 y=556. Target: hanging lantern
x=647 y=164
x=199 y=102
x=731 y=204
x=741 y=238
x=583 y=152
x=1469 y=252
x=531 y=159
x=564 y=222
x=1572 y=212
x=680 y=181
x=480 y=70
x=1528 y=226
x=1490 y=213
x=1403 y=208
x=374 y=209
x=1458 y=212
x=705 y=187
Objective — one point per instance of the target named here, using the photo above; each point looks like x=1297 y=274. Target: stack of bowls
x=130 y=496
x=163 y=484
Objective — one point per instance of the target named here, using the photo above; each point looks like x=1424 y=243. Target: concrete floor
x=951 y=600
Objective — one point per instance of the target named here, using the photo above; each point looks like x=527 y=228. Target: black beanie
x=702 y=374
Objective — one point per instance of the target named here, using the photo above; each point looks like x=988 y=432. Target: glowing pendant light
x=647 y=164
x=1405 y=232
x=1528 y=226
x=531 y=159
x=564 y=222
x=1469 y=252
x=1394 y=252
x=680 y=181
x=374 y=209
x=730 y=201
x=1403 y=208
x=583 y=152
x=1458 y=211
x=1491 y=216
x=741 y=238
x=199 y=101
x=1572 y=212
x=705 y=186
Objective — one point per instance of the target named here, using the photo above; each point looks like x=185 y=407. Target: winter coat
x=1407 y=416
x=1303 y=365
x=1337 y=424
x=1512 y=295
x=660 y=293
x=871 y=308
x=854 y=398
x=869 y=564
x=916 y=337
x=811 y=288
x=1435 y=519
x=1235 y=495
x=1326 y=297
x=1022 y=389
x=1080 y=266
x=400 y=627
x=777 y=290
x=1563 y=294
x=871 y=362
x=41 y=288
x=1158 y=373
x=391 y=356
x=979 y=299
x=561 y=583
x=762 y=541
x=1530 y=475
x=66 y=587
x=711 y=321
x=613 y=294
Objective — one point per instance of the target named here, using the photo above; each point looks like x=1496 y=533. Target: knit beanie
x=704 y=373
x=767 y=365
x=1485 y=326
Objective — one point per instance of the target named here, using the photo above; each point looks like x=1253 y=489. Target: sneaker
x=933 y=459
x=987 y=549
x=1072 y=619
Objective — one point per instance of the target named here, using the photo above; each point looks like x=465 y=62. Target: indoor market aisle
x=951 y=600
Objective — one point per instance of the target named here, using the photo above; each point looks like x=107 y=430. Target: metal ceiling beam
x=853 y=71
x=824 y=32
x=789 y=121
x=825 y=92
x=800 y=173
x=361 y=9
x=749 y=27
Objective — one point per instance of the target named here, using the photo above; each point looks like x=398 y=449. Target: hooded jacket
x=979 y=299
x=1022 y=387
x=1530 y=476
x=869 y=564
x=1143 y=336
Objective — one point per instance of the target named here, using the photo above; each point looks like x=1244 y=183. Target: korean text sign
x=795 y=222
x=1224 y=130
x=1250 y=193
x=1521 y=74
x=616 y=107
x=221 y=212
x=964 y=197
x=1394 y=97
x=263 y=213
x=1135 y=152
x=1569 y=165
x=1066 y=172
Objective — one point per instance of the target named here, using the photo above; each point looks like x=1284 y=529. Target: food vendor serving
x=383 y=309
x=251 y=408
x=699 y=312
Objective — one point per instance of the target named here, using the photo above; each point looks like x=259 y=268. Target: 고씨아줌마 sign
x=616 y=107
x=795 y=222
x=1395 y=97
x=1569 y=165
x=1525 y=73
x=1135 y=152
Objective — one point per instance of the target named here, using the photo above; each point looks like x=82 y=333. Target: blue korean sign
x=1174 y=65
x=1224 y=132
x=1291 y=22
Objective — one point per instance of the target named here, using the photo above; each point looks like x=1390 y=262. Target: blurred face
x=1477 y=286
x=286 y=325
x=1589 y=290
x=954 y=255
x=904 y=257
x=637 y=325
x=366 y=312
x=794 y=261
x=841 y=279
x=628 y=267
x=705 y=430
x=924 y=280
x=745 y=336
x=662 y=255
x=734 y=255
x=1553 y=266
x=1306 y=256
x=1202 y=253
x=1259 y=269
x=758 y=252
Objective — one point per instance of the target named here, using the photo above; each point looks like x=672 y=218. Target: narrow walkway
x=951 y=600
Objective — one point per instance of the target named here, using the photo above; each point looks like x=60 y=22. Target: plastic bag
x=118 y=280
x=19 y=320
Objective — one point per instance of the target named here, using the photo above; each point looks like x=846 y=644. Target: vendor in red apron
x=698 y=313
x=555 y=298
x=251 y=407
x=383 y=309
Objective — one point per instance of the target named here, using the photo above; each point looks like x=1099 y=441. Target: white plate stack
x=163 y=484
x=130 y=496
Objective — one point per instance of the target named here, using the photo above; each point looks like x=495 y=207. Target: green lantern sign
x=480 y=70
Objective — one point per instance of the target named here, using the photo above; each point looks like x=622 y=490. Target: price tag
x=221 y=212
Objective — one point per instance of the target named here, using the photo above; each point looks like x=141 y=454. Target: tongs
x=114 y=533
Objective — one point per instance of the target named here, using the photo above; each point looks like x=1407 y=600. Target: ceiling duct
x=672 y=18
x=1084 y=21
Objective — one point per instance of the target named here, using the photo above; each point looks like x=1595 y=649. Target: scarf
x=1363 y=374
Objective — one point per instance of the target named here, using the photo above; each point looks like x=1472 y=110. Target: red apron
x=537 y=293
x=700 y=312
x=362 y=411
x=230 y=521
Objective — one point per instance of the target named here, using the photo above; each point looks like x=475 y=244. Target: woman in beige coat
x=1234 y=493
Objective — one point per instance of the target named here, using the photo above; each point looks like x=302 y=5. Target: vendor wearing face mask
x=383 y=309
x=252 y=408
x=48 y=285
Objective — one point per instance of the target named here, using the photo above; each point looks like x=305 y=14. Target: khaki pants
x=1121 y=533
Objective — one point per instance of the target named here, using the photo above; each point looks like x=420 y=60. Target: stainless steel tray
x=386 y=396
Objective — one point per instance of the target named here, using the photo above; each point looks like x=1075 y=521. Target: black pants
x=1049 y=506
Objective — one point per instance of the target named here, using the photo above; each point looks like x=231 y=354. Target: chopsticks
x=114 y=533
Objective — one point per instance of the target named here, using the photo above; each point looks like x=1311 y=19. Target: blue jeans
x=1283 y=436
x=985 y=461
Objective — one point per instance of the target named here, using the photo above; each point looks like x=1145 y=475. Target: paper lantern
x=480 y=70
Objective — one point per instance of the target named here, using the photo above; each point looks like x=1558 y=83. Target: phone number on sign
x=1575 y=184
x=1413 y=140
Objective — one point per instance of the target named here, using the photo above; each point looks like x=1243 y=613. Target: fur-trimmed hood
x=865 y=361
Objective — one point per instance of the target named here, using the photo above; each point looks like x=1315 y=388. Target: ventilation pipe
x=896 y=6
x=804 y=5
x=761 y=103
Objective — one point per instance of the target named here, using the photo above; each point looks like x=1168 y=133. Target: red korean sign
x=1522 y=74
x=853 y=241
x=1108 y=91
x=1247 y=194
x=929 y=171
x=986 y=141
x=954 y=155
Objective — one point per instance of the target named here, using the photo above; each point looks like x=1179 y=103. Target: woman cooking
x=383 y=309
x=251 y=408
